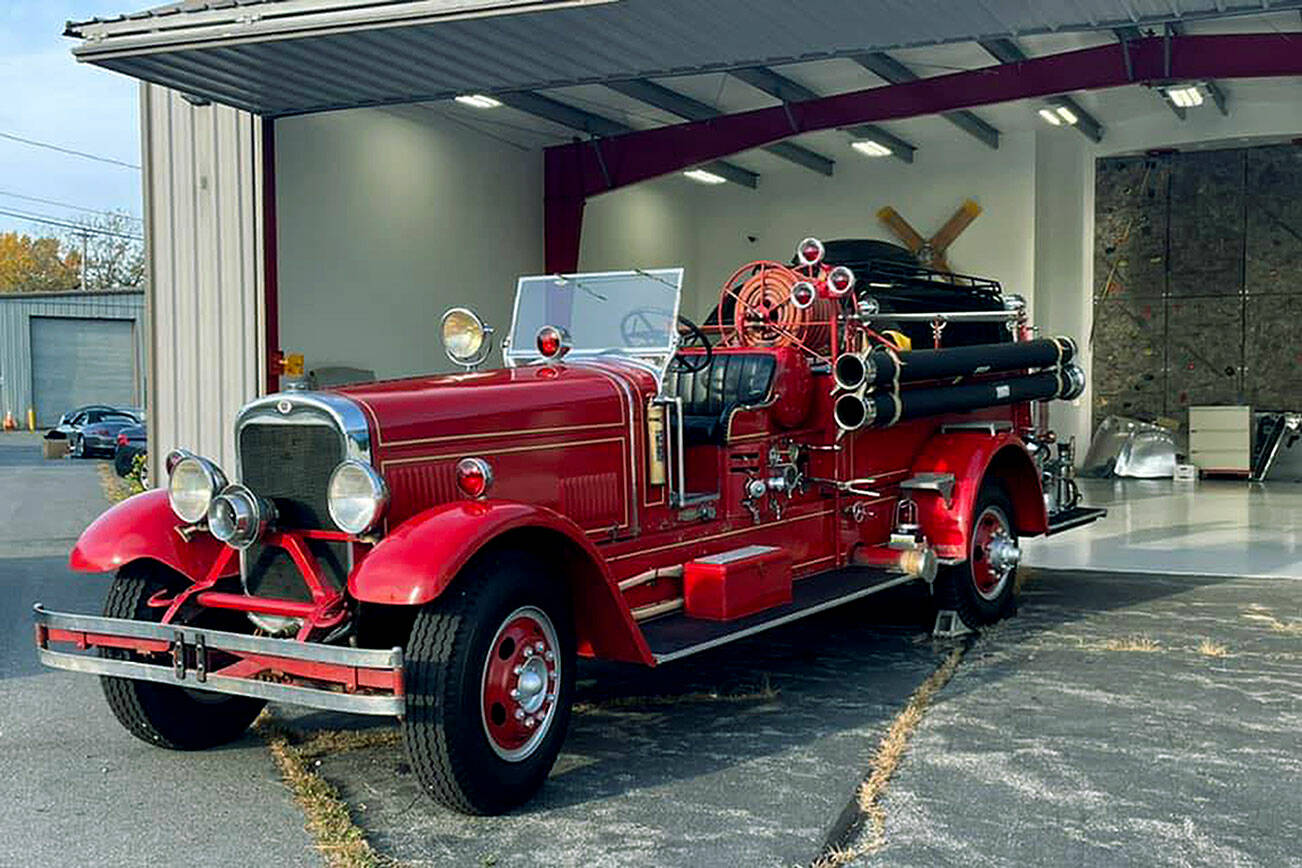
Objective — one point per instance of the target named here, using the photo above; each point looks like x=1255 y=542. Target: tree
x=114 y=251
x=37 y=264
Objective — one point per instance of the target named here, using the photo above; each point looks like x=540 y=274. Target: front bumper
x=353 y=680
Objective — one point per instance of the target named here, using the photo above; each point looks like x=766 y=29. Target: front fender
x=143 y=527
x=973 y=457
x=417 y=561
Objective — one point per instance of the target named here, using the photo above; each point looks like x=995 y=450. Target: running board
x=1074 y=517
x=672 y=637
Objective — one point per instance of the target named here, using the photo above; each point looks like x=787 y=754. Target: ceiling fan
x=931 y=251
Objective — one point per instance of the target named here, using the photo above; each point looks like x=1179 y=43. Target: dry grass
x=1142 y=644
x=890 y=752
x=762 y=693
x=341 y=842
x=330 y=742
x=115 y=488
x=1208 y=648
x=1262 y=614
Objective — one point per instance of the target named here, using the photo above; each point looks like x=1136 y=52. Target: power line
x=24 y=196
x=63 y=150
x=49 y=221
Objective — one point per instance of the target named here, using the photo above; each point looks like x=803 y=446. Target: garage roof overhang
x=283 y=57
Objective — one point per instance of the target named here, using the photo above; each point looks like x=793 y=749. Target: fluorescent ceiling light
x=478 y=100
x=704 y=177
x=1050 y=117
x=1185 y=95
x=871 y=148
x=1066 y=114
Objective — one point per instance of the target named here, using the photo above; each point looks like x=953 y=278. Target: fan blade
x=951 y=230
x=901 y=228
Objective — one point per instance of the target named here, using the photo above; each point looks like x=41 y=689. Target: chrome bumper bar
x=187 y=650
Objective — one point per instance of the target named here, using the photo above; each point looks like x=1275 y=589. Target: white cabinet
x=1220 y=439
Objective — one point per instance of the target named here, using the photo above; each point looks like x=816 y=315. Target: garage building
x=63 y=350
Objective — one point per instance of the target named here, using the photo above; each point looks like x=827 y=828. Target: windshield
x=623 y=312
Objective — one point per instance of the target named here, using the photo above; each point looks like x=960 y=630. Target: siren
x=810 y=252
x=840 y=280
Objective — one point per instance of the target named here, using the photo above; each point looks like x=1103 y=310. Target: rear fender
x=143 y=527
x=975 y=457
x=415 y=563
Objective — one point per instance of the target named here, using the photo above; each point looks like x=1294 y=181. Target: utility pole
x=85 y=252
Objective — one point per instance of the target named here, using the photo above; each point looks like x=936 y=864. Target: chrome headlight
x=238 y=517
x=358 y=497
x=194 y=483
x=465 y=337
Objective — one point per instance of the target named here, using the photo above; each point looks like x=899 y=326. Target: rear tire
x=490 y=679
x=981 y=589
x=177 y=718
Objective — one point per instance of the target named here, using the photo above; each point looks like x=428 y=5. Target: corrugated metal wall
x=203 y=215
x=16 y=312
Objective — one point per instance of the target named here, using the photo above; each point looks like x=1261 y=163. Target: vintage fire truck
x=630 y=486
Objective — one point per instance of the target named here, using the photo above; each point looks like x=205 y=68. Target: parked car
x=132 y=441
x=95 y=432
x=628 y=486
x=64 y=429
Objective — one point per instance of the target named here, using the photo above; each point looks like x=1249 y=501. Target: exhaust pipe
x=920 y=563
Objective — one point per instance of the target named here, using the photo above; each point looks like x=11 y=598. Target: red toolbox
x=735 y=583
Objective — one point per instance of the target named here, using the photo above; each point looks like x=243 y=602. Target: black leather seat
x=732 y=380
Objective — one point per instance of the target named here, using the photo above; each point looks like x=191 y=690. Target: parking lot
x=1118 y=719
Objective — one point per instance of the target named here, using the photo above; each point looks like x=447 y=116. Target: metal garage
x=61 y=350
x=78 y=361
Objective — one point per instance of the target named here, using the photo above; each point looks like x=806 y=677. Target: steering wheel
x=690 y=335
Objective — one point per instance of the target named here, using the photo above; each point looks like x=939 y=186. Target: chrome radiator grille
x=290 y=462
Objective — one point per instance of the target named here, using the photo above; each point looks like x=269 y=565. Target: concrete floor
x=1210 y=527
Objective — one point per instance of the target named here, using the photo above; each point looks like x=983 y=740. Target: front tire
x=490 y=680
x=981 y=589
x=177 y=718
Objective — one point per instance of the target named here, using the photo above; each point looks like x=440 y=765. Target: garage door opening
x=82 y=361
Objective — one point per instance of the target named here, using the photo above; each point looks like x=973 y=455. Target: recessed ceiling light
x=703 y=177
x=1066 y=114
x=870 y=148
x=1185 y=95
x=478 y=100
x=1050 y=117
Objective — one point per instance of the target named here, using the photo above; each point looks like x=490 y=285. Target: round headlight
x=358 y=497
x=465 y=338
x=195 y=482
x=238 y=517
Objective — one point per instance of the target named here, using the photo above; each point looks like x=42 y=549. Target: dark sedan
x=97 y=432
x=132 y=442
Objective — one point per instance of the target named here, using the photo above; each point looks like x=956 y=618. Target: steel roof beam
x=779 y=86
x=691 y=109
x=890 y=70
x=1008 y=51
x=596 y=125
x=1214 y=90
x=1128 y=35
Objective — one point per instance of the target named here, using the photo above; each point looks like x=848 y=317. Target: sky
x=47 y=96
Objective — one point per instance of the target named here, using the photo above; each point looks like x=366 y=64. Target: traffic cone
x=10 y=424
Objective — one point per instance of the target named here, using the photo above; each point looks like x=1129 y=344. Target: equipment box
x=736 y=583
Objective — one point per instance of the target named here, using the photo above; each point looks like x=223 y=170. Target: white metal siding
x=203 y=216
x=78 y=361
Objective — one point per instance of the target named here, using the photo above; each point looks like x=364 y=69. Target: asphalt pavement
x=76 y=788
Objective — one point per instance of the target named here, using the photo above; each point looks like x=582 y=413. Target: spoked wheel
x=490 y=679
x=981 y=589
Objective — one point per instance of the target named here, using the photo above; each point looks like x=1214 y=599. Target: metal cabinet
x=1220 y=439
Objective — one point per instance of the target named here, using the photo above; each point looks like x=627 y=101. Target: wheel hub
x=995 y=553
x=521 y=678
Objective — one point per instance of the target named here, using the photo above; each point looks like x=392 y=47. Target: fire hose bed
x=1117 y=719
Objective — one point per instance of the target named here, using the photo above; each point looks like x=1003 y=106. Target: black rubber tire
x=123 y=459
x=955 y=587
x=77 y=449
x=443 y=730
x=176 y=718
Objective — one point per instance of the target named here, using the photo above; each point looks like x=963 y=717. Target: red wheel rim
x=522 y=675
x=994 y=553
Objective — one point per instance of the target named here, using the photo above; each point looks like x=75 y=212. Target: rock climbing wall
x=1198 y=282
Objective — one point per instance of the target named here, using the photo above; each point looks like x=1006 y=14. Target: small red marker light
x=552 y=342
x=474 y=477
x=840 y=280
x=803 y=294
x=809 y=252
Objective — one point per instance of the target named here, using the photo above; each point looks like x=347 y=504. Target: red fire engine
x=630 y=486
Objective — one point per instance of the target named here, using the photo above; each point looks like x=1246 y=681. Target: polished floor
x=1209 y=527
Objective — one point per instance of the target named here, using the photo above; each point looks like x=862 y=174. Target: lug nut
x=539 y=647
x=519 y=714
x=514 y=694
x=528 y=651
x=549 y=656
x=517 y=670
x=529 y=722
